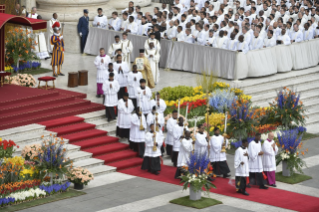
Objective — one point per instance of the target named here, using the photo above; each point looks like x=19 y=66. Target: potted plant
x=196 y=175
x=80 y=177
x=6 y=148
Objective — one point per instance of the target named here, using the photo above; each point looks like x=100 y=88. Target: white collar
x=56 y=34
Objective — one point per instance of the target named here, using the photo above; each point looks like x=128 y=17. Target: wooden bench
x=46 y=80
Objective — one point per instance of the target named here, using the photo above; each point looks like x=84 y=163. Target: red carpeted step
x=73 y=128
x=107 y=148
x=115 y=156
x=71 y=93
x=104 y=140
x=124 y=164
x=61 y=121
x=84 y=135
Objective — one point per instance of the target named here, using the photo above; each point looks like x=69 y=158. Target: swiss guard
x=58 y=49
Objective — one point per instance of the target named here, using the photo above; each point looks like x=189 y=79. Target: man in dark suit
x=83 y=28
x=17 y=9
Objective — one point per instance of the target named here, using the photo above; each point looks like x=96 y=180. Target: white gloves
x=61 y=37
x=80 y=34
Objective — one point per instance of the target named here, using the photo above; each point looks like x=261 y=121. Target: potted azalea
x=196 y=175
x=80 y=177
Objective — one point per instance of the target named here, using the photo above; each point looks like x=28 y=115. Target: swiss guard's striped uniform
x=57 y=52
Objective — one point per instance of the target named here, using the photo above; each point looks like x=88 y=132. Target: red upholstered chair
x=46 y=79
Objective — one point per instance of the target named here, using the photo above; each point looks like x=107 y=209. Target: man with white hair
x=33 y=13
x=256 y=42
x=270 y=150
x=189 y=37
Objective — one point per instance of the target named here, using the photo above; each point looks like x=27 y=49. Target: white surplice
x=154 y=60
x=137 y=135
x=133 y=83
x=171 y=122
x=114 y=47
x=102 y=73
x=111 y=99
x=269 y=157
x=149 y=143
x=201 y=143
x=122 y=75
x=184 y=152
x=178 y=131
x=157 y=44
x=102 y=20
x=151 y=120
x=241 y=170
x=144 y=100
x=127 y=51
x=124 y=114
x=255 y=160
x=216 y=143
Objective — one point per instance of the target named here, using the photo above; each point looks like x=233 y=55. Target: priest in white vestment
x=153 y=57
x=270 y=40
x=33 y=13
x=296 y=35
x=100 y=21
x=242 y=46
x=242 y=167
x=256 y=42
x=131 y=26
x=255 y=163
x=115 y=22
x=115 y=46
x=122 y=71
x=221 y=41
x=283 y=38
x=152 y=39
x=270 y=150
x=178 y=132
x=51 y=32
x=101 y=63
x=201 y=138
x=137 y=132
x=216 y=156
x=110 y=89
x=171 y=122
x=184 y=153
x=153 y=144
x=124 y=109
x=133 y=81
x=144 y=95
x=127 y=49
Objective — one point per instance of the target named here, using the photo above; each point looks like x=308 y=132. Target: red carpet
x=21 y=105
x=272 y=196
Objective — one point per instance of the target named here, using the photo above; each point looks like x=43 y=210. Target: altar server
x=133 y=80
x=58 y=50
x=201 y=144
x=115 y=22
x=83 y=28
x=100 y=21
x=144 y=95
x=178 y=132
x=115 y=46
x=51 y=32
x=127 y=49
x=101 y=63
x=124 y=107
x=270 y=150
x=153 y=144
x=159 y=103
x=110 y=89
x=122 y=71
x=242 y=167
x=137 y=132
x=217 y=157
x=184 y=153
x=151 y=118
x=171 y=122
x=255 y=163
x=153 y=57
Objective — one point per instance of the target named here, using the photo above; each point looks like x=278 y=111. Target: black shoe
x=210 y=179
x=98 y=96
x=54 y=75
x=156 y=173
x=245 y=193
x=273 y=185
x=61 y=74
x=47 y=58
x=263 y=187
x=239 y=191
x=248 y=186
x=226 y=175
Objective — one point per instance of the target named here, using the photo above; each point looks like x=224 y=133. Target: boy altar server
x=169 y=136
x=110 y=89
x=178 y=132
x=124 y=107
x=101 y=63
x=217 y=157
x=134 y=78
x=151 y=118
x=184 y=153
x=270 y=150
x=201 y=140
x=160 y=104
x=255 y=163
x=122 y=71
x=153 y=143
x=242 y=167
x=144 y=94
x=137 y=132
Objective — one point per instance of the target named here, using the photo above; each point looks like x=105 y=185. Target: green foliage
x=295 y=178
x=199 y=204
x=294 y=163
x=178 y=92
x=207 y=81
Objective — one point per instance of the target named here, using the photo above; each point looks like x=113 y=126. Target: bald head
x=271 y=136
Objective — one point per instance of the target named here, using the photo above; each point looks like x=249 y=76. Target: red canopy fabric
x=36 y=24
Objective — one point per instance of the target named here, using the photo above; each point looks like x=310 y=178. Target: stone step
x=33 y=138
x=277 y=81
x=313 y=119
x=101 y=170
x=22 y=131
x=312 y=111
x=93 y=116
x=100 y=124
x=69 y=147
x=313 y=128
x=111 y=129
x=88 y=163
x=79 y=156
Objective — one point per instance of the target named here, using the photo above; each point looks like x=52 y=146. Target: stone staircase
x=263 y=91
x=31 y=134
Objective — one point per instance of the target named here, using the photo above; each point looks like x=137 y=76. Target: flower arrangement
x=25 y=66
x=197 y=172
x=31 y=152
x=216 y=120
x=288 y=108
x=220 y=85
x=6 y=148
x=26 y=80
x=28 y=194
x=52 y=158
x=175 y=93
x=29 y=171
x=8 y=188
x=6 y=201
x=80 y=176
x=237 y=143
x=222 y=99
x=55 y=188
x=290 y=145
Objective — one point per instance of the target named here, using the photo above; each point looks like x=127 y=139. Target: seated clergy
x=283 y=38
x=256 y=42
x=270 y=40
